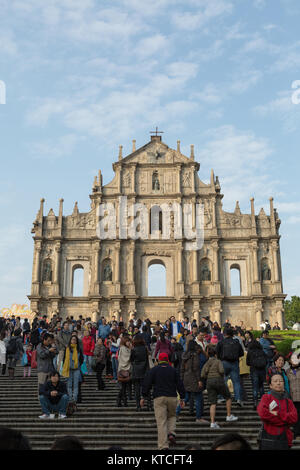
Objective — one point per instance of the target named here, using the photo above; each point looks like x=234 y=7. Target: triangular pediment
x=155 y=152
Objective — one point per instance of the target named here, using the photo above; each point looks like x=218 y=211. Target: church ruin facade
x=115 y=270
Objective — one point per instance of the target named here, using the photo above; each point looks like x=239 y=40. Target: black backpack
x=12 y=346
x=258 y=359
x=231 y=350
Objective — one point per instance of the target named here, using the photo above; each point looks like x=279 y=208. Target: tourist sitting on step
x=54 y=397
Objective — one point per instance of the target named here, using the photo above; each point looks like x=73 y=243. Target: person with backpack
x=213 y=373
x=14 y=351
x=229 y=352
x=257 y=360
x=34 y=337
x=190 y=374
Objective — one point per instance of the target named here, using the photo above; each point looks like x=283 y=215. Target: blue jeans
x=72 y=384
x=232 y=371
x=60 y=407
x=191 y=397
x=114 y=363
x=258 y=376
x=88 y=361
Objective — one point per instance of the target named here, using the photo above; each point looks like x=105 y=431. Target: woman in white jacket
x=3 y=342
x=124 y=364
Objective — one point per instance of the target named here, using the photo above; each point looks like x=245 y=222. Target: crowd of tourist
x=163 y=366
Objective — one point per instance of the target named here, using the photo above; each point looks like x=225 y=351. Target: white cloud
x=62 y=147
x=207 y=10
x=157 y=44
x=284 y=109
x=240 y=159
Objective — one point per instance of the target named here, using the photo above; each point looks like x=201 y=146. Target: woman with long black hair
x=140 y=364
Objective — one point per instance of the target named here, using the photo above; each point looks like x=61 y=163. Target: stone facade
x=116 y=270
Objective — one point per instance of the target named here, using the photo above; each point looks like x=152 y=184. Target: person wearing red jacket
x=88 y=344
x=277 y=413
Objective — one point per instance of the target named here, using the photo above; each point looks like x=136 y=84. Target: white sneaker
x=214 y=426
x=221 y=400
x=52 y=416
x=61 y=416
x=44 y=416
x=231 y=418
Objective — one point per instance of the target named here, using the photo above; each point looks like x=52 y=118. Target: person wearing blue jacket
x=103 y=330
x=175 y=326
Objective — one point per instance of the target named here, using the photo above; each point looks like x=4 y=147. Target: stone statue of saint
x=205 y=273
x=156 y=184
x=266 y=272
x=107 y=273
x=47 y=272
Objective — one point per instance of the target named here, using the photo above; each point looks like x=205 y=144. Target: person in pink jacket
x=163 y=345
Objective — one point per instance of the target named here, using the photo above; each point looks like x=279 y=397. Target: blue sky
x=83 y=77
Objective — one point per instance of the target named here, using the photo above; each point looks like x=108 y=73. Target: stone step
x=99 y=423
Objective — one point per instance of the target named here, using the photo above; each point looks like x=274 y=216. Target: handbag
x=124 y=376
x=24 y=360
x=83 y=369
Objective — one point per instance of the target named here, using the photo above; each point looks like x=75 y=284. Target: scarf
x=66 y=366
x=279 y=395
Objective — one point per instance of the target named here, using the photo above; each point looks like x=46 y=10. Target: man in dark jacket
x=166 y=382
x=229 y=352
x=45 y=355
x=53 y=397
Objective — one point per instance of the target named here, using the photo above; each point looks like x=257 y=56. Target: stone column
x=178 y=179
x=215 y=247
x=275 y=260
x=97 y=248
x=254 y=261
x=57 y=262
x=37 y=256
x=117 y=262
x=180 y=250
x=195 y=265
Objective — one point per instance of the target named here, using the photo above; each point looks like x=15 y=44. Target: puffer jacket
x=100 y=353
x=190 y=372
x=140 y=362
x=212 y=369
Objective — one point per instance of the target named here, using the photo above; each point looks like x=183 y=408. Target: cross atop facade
x=156 y=132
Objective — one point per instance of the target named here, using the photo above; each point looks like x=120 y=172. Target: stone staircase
x=99 y=424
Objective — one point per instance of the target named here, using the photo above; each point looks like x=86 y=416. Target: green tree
x=292 y=310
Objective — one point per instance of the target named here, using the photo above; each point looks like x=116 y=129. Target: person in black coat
x=53 y=397
x=140 y=365
x=257 y=360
